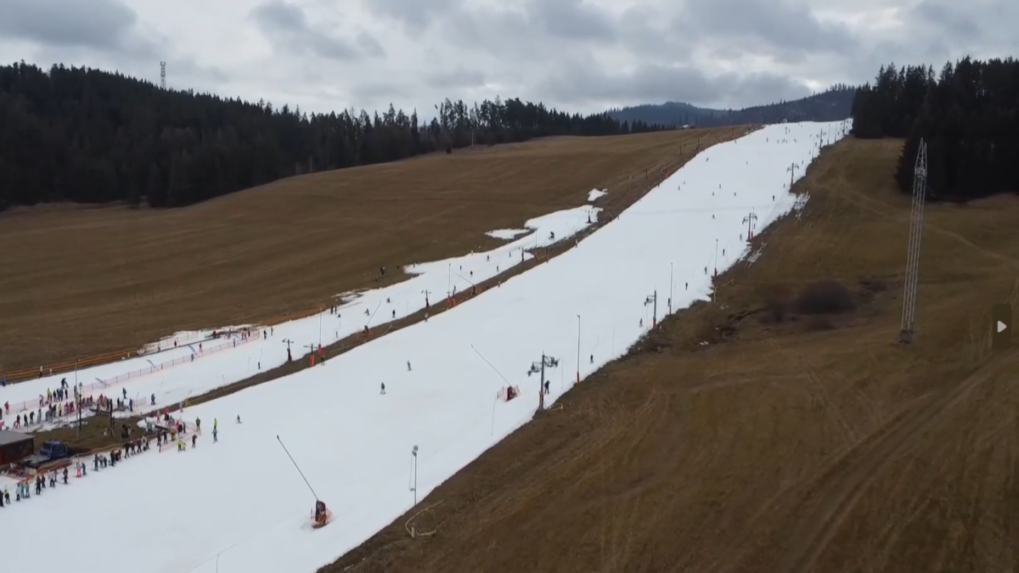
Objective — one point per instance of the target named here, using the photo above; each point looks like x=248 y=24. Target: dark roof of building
x=9 y=437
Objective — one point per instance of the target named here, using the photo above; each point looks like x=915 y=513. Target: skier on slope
x=383 y=388
x=194 y=440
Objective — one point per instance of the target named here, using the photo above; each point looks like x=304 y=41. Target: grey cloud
x=377 y=92
x=415 y=15
x=947 y=18
x=369 y=45
x=793 y=30
x=654 y=83
x=287 y=27
x=570 y=19
x=983 y=28
x=97 y=24
x=534 y=31
x=457 y=78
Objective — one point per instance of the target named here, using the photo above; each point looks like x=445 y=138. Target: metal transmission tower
x=162 y=75
x=913 y=256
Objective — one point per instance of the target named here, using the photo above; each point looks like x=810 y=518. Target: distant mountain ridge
x=833 y=104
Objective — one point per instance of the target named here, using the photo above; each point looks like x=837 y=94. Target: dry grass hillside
x=792 y=443
x=81 y=281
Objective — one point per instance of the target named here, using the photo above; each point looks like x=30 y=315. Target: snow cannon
x=322 y=514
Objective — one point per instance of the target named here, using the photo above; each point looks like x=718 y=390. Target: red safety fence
x=67 y=366
x=87 y=389
x=109 y=357
x=174 y=342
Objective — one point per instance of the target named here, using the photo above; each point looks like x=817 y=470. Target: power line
x=906 y=334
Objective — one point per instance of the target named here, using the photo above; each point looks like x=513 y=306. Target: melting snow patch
x=594 y=194
x=506 y=234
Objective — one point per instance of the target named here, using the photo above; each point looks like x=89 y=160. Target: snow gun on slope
x=321 y=516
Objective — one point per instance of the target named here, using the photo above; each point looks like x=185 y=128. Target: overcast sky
x=580 y=55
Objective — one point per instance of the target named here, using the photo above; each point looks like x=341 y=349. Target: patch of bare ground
x=85 y=281
x=796 y=441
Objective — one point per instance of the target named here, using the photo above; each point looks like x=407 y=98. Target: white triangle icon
x=1001 y=326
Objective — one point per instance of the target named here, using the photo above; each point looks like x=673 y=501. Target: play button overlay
x=1001 y=329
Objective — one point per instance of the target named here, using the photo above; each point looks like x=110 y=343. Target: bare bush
x=819 y=323
x=825 y=296
x=776 y=304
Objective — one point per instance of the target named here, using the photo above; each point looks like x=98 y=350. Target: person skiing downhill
x=194 y=440
x=383 y=388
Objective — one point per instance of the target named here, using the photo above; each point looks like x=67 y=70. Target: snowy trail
x=214 y=370
x=239 y=506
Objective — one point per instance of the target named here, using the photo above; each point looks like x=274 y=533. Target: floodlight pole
x=907 y=332
x=671 y=294
x=716 y=256
x=578 y=349
x=414 y=454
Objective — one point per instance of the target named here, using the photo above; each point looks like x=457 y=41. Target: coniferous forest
x=89 y=136
x=833 y=104
x=968 y=114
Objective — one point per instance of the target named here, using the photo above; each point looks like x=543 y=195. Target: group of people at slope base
x=63 y=402
x=41 y=480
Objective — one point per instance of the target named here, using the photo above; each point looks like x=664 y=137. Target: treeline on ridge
x=832 y=104
x=89 y=136
x=968 y=114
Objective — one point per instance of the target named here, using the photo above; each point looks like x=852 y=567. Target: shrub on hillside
x=825 y=296
x=776 y=304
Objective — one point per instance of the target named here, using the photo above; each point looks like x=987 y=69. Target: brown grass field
x=803 y=445
x=84 y=281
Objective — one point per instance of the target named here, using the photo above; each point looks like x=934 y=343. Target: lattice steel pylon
x=907 y=333
x=162 y=75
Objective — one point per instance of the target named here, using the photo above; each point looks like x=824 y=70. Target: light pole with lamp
x=414 y=488
x=578 y=349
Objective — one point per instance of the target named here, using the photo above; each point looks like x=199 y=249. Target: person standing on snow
x=194 y=440
x=383 y=389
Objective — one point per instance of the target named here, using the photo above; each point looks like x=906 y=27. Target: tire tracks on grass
x=847 y=486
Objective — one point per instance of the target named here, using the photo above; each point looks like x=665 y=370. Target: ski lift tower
x=539 y=368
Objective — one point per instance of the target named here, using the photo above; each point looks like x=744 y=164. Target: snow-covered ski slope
x=384 y=305
x=240 y=506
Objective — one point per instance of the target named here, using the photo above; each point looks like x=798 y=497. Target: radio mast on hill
x=162 y=75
